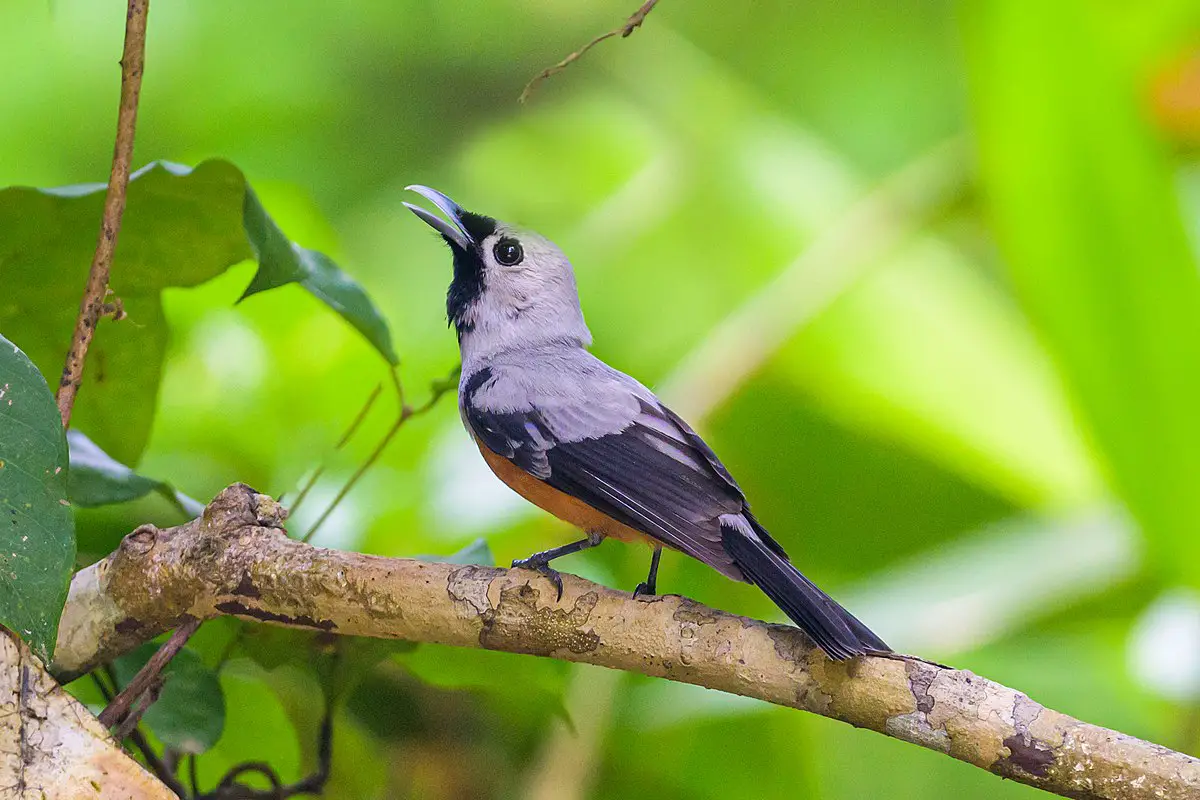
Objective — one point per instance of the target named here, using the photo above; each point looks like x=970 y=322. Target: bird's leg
x=648 y=586
x=540 y=562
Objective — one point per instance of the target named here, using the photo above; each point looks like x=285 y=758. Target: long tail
x=832 y=627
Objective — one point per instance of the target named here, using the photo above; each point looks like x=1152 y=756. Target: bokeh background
x=923 y=272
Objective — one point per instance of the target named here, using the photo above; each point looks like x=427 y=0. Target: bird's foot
x=644 y=589
x=538 y=565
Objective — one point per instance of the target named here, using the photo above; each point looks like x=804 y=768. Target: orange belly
x=560 y=504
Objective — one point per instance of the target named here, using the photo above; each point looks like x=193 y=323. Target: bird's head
x=511 y=287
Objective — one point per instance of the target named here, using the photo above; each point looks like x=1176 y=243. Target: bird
x=590 y=444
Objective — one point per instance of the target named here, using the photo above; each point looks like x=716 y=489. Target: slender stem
x=229 y=788
x=358 y=420
x=404 y=415
x=193 y=776
x=634 y=22
x=149 y=674
x=127 y=725
x=105 y=692
x=139 y=740
x=93 y=305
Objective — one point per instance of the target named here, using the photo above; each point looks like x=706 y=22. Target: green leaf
x=477 y=552
x=257 y=729
x=37 y=528
x=182 y=227
x=189 y=714
x=96 y=479
x=281 y=262
x=338 y=663
x=1086 y=212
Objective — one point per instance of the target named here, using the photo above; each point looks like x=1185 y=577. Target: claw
x=644 y=589
x=544 y=569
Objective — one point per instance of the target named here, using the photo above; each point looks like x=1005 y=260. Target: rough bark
x=51 y=746
x=237 y=560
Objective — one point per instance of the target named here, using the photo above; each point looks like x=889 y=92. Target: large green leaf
x=97 y=479
x=37 y=529
x=257 y=729
x=182 y=227
x=189 y=714
x=1085 y=209
x=281 y=261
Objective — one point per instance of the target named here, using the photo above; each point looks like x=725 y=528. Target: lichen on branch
x=237 y=560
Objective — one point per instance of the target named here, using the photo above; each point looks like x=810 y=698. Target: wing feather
x=648 y=471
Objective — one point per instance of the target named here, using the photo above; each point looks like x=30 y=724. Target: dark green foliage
x=37 y=529
x=189 y=714
x=96 y=479
x=182 y=227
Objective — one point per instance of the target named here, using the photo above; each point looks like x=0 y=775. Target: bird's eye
x=508 y=251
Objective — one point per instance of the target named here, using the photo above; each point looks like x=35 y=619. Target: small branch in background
x=156 y=765
x=148 y=698
x=633 y=23
x=230 y=789
x=437 y=390
x=193 y=775
x=148 y=676
x=350 y=431
x=93 y=305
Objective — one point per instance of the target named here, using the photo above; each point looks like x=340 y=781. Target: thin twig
x=171 y=758
x=358 y=420
x=148 y=674
x=230 y=789
x=134 y=717
x=93 y=304
x=155 y=763
x=193 y=775
x=139 y=740
x=405 y=414
x=105 y=692
x=260 y=767
x=633 y=23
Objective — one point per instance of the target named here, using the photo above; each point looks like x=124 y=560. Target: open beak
x=454 y=231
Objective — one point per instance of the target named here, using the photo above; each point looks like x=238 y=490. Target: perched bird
x=590 y=444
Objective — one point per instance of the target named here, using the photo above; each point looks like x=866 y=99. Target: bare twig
x=236 y=560
x=230 y=789
x=134 y=717
x=358 y=420
x=633 y=23
x=193 y=775
x=156 y=765
x=51 y=746
x=93 y=304
x=149 y=674
x=404 y=414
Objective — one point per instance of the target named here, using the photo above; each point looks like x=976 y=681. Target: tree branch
x=51 y=745
x=237 y=560
x=93 y=304
x=629 y=26
x=148 y=675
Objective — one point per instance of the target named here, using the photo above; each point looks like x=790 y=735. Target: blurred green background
x=923 y=272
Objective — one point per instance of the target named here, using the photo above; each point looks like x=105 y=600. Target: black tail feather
x=832 y=627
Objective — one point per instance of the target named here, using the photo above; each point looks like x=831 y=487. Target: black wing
x=655 y=475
